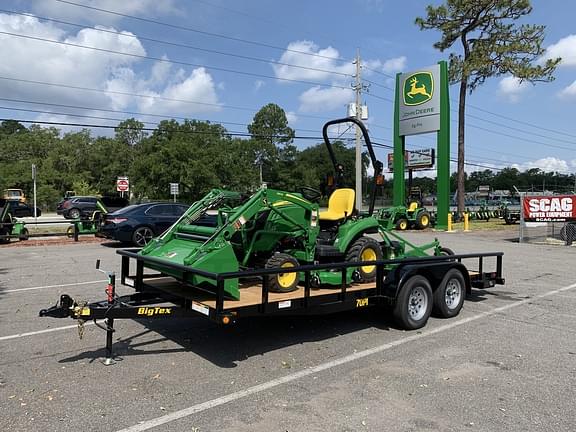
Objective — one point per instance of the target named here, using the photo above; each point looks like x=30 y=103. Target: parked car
x=20 y=209
x=138 y=224
x=14 y=195
x=84 y=206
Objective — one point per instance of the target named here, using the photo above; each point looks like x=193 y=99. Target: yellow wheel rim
x=403 y=225
x=368 y=254
x=286 y=280
x=424 y=220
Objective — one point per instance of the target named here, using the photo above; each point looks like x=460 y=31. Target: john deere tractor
x=226 y=231
x=10 y=227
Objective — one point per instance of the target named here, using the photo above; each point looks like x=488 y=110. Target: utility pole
x=358 y=87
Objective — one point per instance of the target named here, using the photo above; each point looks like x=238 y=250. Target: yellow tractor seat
x=413 y=206
x=340 y=205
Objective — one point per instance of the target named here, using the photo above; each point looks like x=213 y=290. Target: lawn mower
x=10 y=227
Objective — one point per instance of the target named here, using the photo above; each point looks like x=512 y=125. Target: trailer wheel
x=449 y=296
x=282 y=282
x=402 y=224
x=423 y=220
x=365 y=249
x=414 y=303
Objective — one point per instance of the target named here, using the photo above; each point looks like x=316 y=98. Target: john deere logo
x=418 y=88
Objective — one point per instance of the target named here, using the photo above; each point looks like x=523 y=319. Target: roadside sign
x=122 y=184
x=174 y=189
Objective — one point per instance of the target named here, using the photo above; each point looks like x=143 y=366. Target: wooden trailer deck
x=250 y=293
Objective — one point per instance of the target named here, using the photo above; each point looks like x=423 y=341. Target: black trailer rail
x=158 y=296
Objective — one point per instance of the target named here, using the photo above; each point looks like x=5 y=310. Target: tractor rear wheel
x=282 y=282
x=365 y=249
x=423 y=220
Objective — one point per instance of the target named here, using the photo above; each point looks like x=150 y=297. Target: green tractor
x=10 y=227
x=403 y=217
x=227 y=232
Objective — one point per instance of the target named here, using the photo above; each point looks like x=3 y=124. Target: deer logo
x=418 y=88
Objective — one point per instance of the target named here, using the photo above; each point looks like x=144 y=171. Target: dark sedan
x=138 y=224
x=20 y=209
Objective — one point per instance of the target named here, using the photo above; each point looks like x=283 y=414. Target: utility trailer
x=410 y=289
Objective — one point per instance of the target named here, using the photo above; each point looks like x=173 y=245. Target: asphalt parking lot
x=506 y=363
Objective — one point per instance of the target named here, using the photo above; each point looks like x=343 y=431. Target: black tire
x=70 y=231
x=450 y=294
x=365 y=249
x=444 y=251
x=142 y=235
x=24 y=234
x=423 y=220
x=74 y=213
x=402 y=224
x=282 y=282
x=414 y=303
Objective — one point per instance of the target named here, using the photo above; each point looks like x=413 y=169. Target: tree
x=271 y=134
x=130 y=132
x=492 y=45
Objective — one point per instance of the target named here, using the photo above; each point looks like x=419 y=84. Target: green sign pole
x=443 y=152
x=399 y=188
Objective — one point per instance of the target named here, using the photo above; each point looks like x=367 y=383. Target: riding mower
x=227 y=232
x=87 y=224
x=402 y=217
x=10 y=227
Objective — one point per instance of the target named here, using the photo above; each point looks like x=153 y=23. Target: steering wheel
x=310 y=194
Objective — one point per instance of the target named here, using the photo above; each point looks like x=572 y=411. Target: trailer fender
x=434 y=272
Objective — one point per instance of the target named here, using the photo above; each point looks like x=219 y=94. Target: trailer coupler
x=63 y=309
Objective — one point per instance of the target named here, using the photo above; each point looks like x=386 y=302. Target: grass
x=481 y=225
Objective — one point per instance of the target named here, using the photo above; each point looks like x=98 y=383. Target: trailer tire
x=402 y=224
x=365 y=249
x=282 y=282
x=423 y=220
x=414 y=303
x=450 y=294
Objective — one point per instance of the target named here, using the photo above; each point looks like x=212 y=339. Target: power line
x=190 y=29
x=179 y=45
x=164 y=60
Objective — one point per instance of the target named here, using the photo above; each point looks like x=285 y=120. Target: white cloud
x=393 y=65
x=568 y=92
x=198 y=86
x=149 y=8
x=510 y=87
x=78 y=67
x=291 y=117
x=315 y=63
x=318 y=99
x=258 y=84
x=548 y=164
x=564 y=48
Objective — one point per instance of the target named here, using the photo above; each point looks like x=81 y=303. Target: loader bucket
x=189 y=253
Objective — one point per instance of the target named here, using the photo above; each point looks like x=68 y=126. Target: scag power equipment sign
x=559 y=208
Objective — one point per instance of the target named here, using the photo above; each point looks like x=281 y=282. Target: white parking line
x=52 y=286
x=186 y=412
x=50 y=330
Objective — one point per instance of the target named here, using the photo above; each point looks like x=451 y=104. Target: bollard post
x=466 y=223
x=449 y=228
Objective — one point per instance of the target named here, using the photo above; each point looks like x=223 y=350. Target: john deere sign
x=422 y=106
x=420 y=102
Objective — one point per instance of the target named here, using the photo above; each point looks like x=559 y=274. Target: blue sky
x=222 y=61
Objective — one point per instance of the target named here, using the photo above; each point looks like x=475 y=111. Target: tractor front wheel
x=365 y=249
x=402 y=224
x=282 y=282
